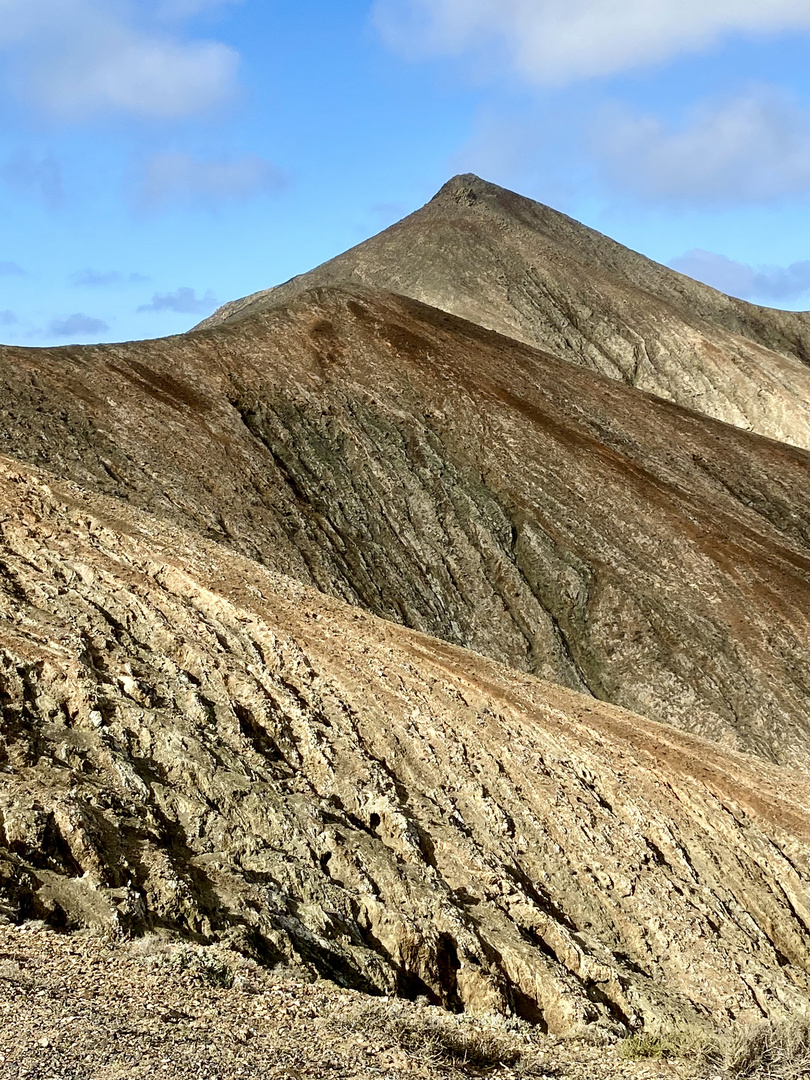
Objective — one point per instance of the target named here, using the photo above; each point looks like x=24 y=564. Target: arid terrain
x=381 y=637
x=531 y=273
x=81 y=1007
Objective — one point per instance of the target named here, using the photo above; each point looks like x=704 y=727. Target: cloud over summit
x=776 y=283
x=183 y=301
x=77 y=326
x=559 y=41
x=753 y=148
x=177 y=177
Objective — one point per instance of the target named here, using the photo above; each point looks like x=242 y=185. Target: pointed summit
x=527 y=271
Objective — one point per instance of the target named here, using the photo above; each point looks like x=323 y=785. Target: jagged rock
x=190 y=741
x=536 y=275
x=439 y=475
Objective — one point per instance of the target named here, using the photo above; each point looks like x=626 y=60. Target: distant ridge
x=518 y=267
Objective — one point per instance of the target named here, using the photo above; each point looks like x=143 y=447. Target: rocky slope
x=439 y=475
x=278 y=599
x=191 y=742
x=85 y=1008
x=531 y=273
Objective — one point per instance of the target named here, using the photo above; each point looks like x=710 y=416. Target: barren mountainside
x=354 y=634
x=529 y=272
x=468 y=486
x=190 y=742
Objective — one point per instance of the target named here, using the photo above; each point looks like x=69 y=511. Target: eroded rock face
x=533 y=274
x=467 y=486
x=191 y=741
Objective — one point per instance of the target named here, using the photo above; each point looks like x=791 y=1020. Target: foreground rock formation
x=193 y=743
x=85 y=1007
x=533 y=274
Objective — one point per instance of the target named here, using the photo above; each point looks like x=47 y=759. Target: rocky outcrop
x=533 y=274
x=189 y=741
x=473 y=488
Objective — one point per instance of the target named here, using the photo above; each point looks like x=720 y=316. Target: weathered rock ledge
x=190 y=741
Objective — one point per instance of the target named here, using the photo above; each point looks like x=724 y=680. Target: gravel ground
x=77 y=1007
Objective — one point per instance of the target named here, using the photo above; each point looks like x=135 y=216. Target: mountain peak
x=466 y=188
x=533 y=274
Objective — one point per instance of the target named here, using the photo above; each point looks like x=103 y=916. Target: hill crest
x=531 y=273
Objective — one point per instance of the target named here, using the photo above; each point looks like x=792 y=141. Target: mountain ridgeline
x=438 y=622
x=533 y=274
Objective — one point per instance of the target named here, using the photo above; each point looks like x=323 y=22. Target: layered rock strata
x=468 y=486
x=191 y=742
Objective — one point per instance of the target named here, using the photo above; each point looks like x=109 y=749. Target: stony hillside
x=470 y=487
x=88 y=1008
x=192 y=743
x=353 y=637
x=534 y=274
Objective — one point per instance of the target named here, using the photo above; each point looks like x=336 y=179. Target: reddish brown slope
x=469 y=486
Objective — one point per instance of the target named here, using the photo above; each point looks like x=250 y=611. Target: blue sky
x=158 y=157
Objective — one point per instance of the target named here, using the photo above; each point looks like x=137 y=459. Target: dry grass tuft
x=776 y=1051
x=441 y=1039
x=779 y=1051
x=682 y=1043
x=11 y=972
x=204 y=962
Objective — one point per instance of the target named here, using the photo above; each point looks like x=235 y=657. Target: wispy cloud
x=183 y=301
x=753 y=148
x=180 y=178
x=96 y=279
x=78 y=325
x=8 y=318
x=559 y=41
x=81 y=57
x=184 y=9
x=741 y=279
x=11 y=269
x=32 y=174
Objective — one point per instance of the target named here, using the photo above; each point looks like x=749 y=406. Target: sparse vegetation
x=779 y=1051
x=444 y=1039
x=681 y=1043
x=776 y=1051
x=198 y=960
x=13 y=973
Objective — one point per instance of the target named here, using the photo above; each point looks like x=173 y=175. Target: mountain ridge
x=443 y=476
x=529 y=272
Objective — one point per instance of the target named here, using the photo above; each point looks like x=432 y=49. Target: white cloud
x=183 y=302
x=77 y=325
x=184 y=9
x=753 y=148
x=80 y=57
x=740 y=279
x=175 y=177
x=558 y=41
